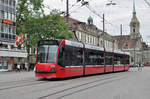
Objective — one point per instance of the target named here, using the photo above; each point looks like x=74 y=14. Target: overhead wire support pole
x=121 y=36
x=104 y=42
x=67 y=19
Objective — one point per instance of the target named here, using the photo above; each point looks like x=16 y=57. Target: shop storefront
x=8 y=59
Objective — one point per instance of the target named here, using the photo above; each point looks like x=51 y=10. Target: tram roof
x=74 y=43
x=87 y=46
x=93 y=47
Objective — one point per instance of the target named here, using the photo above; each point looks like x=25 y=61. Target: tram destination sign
x=47 y=42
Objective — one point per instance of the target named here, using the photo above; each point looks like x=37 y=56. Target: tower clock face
x=134 y=24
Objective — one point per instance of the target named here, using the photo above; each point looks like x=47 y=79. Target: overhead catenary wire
x=147 y=3
x=93 y=11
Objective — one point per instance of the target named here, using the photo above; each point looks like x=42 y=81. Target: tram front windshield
x=47 y=54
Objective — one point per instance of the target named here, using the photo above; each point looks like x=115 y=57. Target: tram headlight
x=53 y=70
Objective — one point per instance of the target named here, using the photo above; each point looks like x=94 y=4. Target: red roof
x=124 y=41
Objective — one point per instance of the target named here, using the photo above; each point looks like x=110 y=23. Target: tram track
x=16 y=81
x=99 y=81
x=61 y=84
x=22 y=85
x=27 y=82
x=96 y=85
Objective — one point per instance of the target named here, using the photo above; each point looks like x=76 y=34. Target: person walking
x=26 y=66
x=139 y=67
x=18 y=67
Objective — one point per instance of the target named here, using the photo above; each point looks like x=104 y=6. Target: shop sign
x=7 y=22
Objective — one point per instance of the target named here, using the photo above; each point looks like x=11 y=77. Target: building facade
x=88 y=33
x=132 y=43
x=9 y=54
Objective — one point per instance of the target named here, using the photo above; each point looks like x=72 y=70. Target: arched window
x=134 y=30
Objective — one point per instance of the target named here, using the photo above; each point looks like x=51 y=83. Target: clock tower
x=134 y=25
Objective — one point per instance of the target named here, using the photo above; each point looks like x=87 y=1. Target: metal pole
x=67 y=19
x=121 y=36
x=142 y=50
x=104 y=31
x=113 y=54
x=104 y=42
x=134 y=50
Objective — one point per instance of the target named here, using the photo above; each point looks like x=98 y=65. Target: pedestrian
x=139 y=67
x=18 y=67
x=26 y=66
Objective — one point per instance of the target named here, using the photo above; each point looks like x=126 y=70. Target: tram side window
x=109 y=59
x=126 y=60
x=93 y=57
x=122 y=59
x=68 y=57
x=116 y=59
x=119 y=59
x=77 y=56
x=71 y=56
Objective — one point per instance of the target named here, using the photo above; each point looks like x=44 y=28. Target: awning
x=11 y=53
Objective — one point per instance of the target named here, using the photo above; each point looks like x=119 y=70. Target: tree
x=26 y=9
x=32 y=21
x=35 y=25
x=46 y=26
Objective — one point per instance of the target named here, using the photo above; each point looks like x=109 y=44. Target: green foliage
x=25 y=10
x=32 y=22
x=47 y=26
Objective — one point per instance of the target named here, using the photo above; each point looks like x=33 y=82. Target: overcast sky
x=121 y=13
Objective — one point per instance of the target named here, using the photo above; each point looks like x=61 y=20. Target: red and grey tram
x=65 y=58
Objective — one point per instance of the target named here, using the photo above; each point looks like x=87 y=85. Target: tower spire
x=134 y=11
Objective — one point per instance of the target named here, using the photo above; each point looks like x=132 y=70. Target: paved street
x=133 y=84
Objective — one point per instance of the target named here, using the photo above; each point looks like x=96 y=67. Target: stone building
x=9 y=54
x=88 y=33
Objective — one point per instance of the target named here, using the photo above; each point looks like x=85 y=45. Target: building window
x=134 y=30
x=10 y=31
x=85 y=38
x=6 y=1
x=126 y=46
x=80 y=36
x=2 y=14
x=88 y=39
x=94 y=41
x=10 y=2
x=2 y=27
x=14 y=3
